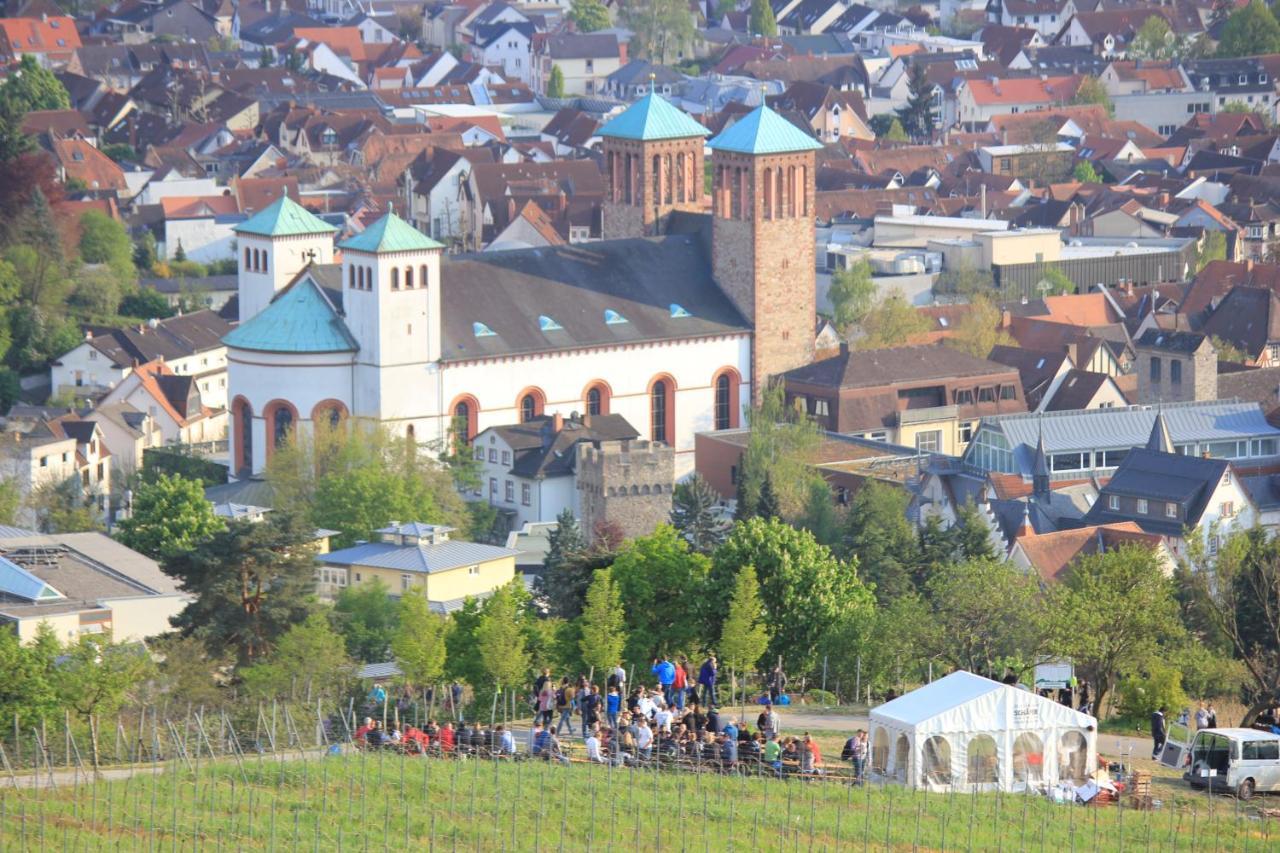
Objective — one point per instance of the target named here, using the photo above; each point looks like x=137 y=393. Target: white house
x=509 y=46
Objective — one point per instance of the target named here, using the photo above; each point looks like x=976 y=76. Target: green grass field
x=379 y=801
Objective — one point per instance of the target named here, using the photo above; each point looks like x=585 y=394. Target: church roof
x=652 y=117
x=493 y=303
x=763 y=131
x=389 y=234
x=284 y=218
x=299 y=319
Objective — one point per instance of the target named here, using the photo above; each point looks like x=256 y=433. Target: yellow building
x=422 y=555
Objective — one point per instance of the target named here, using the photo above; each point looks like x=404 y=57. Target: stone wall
x=1199 y=375
x=625 y=484
x=640 y=209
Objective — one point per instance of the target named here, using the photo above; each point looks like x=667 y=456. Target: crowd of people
x=677 y=721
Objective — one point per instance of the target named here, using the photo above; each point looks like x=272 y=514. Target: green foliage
x=978 y=331
x=1213 y=248
x=145 y=304
x=694 y=514
x=888 y=127
x=500 y=639
x=820 y=517
x=104 y=240
x=1140 y=694
x=852 y=293
x=10 y=496
x=181 y=461
x=966 y=280
x=310 y=658
x=188 y=672
x=420 y=640
x=744 y=635
x=664 y=585
x=121 y=152
x=1228 y=351
x=555 y=83
x=61 y=506
x=37 y=337
x=1114 y=611
x=25 y=686
x=917 y=117
x=1241 y=108
x=31 y=87
x=145 y=253
x=879 y=536
x=169 y=514
x=589 y=15
x=778 y=450
x=1154 y=40
x=989 y=615
x=761 y=20
x=1085 y=173
x=1091 y=91
x=1251 y=31
x=96 y=293
x=1054 y=282
x=662 y=28
x=368 y=619
x=250 y=582
x=602 y=628
x=767 y=506
x=38 y=255
x=356 y=478
x=892 y=322
x=565 y=570
x=807 y=593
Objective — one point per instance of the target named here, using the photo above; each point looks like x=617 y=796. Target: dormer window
x=480 y=330
x=678 y=311
x=613 y=318
x=547 y=324
x=329 y=136
x=1262 y=78
x=1244 y=78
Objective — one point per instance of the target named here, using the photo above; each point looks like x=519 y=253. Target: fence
x=260 y=781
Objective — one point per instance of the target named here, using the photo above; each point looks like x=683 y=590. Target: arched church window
x=395 y=278
x=408 y=278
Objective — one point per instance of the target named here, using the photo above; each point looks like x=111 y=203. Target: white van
x=1238 y=761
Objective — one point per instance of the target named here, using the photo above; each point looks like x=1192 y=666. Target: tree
x=563 y=582
x=1251 y=31
x=310 y=660
x=367 y=617
x=500 y=641
x=852 y=293
x=989 y=614
x=1091 y=91
x=1228 y=351
x=420 y=641
x=972 y=534
x=589 y=15
x=892 y=322
x=39 y=257
x=1154 y=40
x=555 y=83
x=761 y=20
x=694 y=513
x=145 y=304
x=1054 y=282
x=660 y=26
x=31 y=87
x=61 y=506
x=121 y=152
x=881 y=539
x=26 y=691
x=966 y=280
x=819 y=516
x=169 y=514
x=806 y=592
x=96 y=292
x=767 y=506
x=917 y=116
x=95 y=677
x=1241 y=108
x=896 y=132
x=603 y=623
x=744 y=635
x=778 y=449
x=103 y=240
x=664 y=584
x=1114 y=610
x=250 y=582
x=356 y=478
x=145 y=252
x=188 y=672
x=1213 y=248
x=10 y=500
x=978 y=331
x=1085 y=173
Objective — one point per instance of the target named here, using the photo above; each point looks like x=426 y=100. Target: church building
x=670 y=321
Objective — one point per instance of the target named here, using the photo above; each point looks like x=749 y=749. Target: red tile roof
x=1025 y=90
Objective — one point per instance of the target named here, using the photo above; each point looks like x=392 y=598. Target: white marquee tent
x=967 y=732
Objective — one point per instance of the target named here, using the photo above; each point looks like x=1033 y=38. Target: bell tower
x=653 y=164
x=762 y=253
x=274 y=245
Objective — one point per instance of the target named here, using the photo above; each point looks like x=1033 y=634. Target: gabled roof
x=389 y=234
x=424 y=558
x=763 y=131
x=284 y=218
x=300 y=319
x=1188 y=481
x=652 y=117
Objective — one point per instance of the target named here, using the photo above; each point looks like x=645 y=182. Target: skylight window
x=480 y=330
x=613 y=318
x=547 y=324
x=679 y=311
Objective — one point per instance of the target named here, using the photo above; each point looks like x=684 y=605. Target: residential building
x=927 y=397
x=1046 y=16
x=52 y=452
x=1050 y=556
x=50 y=39
x=507 y=45
x=978 y=100
x=585 y=59
x=424 y=556
x=83 y=583
x=174 y=401
x=1084 y=389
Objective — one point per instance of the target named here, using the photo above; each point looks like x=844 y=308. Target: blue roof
x=300 y=319
x=389 y=234
x=762 y=131
x=20 y=583
x=652 y=117
x=284 y=217
x=426 y=558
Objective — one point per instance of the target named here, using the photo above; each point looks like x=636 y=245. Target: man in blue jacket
x=707 y=678
x=666 y=672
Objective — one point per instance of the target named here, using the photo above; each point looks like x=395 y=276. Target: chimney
x=1248 y=265
x=844 y=348
x=982 y=194
x=557 y=422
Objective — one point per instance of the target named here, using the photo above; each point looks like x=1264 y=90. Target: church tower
x=653 y=164
x=762 y=239
x=391 y=299
x=274 y=245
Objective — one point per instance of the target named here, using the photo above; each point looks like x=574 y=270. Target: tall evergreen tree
x=767 y=506
x=566 y=571
x=761 y=20
x=603 y=623
x=917 y=116
x=881 y=538
x=744 y=635
x=693 y=513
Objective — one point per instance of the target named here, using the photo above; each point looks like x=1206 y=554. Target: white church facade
x=657 y=325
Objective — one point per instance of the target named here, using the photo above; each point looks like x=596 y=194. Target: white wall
x=202 y=240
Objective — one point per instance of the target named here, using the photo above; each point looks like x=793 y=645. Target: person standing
x=591 y=709
x=666 y=672
x=564 y=704
x=1213 y=717
x=618 y=678
x=1202 y=718
x=707 y=679
x=681 y=683
x=777 y=683
x=613 y=704
x=1158 y=734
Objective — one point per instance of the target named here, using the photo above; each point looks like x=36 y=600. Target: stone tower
x=627 y=484
x=762 y=240
x=274 y=245
x=1176 y=367
x=653 y=163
